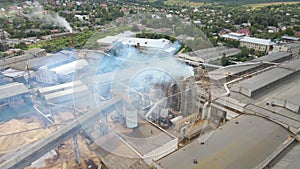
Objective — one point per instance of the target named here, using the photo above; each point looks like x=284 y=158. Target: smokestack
x=72 y=39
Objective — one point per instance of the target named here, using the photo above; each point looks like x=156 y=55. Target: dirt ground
x=66 y=158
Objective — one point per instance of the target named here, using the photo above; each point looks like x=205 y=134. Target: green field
x=260 y=5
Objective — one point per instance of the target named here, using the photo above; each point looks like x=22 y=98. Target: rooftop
x=12 y=89
x=262 y=80
x=274 y=57
x=54 y=59
x=60 y=87
x=259 y=41
x=209 y=54
x=233 y=70
x=68 y=94
x=290 y=160
x=290 y=38
x=244 y=142
x=13 y=73
x=293 y=64
x=148 y=43
x=70 y=67
x=235 y=36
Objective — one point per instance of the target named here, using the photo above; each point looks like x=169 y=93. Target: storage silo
x=131 y=117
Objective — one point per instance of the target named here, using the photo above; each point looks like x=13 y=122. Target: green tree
x=135 y=28
x=2 y=47
x=21 y=45
x=289 y=31
x=224 y=60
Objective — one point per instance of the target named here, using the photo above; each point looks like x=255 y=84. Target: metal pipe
x=43 y=114
x=76 y=149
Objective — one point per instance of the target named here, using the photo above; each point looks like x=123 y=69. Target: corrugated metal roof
x=274 y=57
x=13 y=73
x=65 y=93
x=290 y=160
x=223 y=73
x=59 y=87
x=12 y=89
x=266 y=42
x=290 y=38
x=71 y=67
x=293 y=64
x=245 y=145
x=263 y=79
x=54 y=59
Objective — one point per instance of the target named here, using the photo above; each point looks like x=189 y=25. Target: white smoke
x=39 y=13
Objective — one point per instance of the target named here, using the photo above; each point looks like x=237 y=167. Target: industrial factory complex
x=137 y=103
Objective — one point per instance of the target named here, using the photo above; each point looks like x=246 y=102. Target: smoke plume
x=52 y=18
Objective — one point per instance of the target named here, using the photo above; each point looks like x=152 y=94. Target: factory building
x=63 y=93
x=264 y=80
x=14 y=61
x=275 y=57
x=128 y=39
x=244 y=142
x=264 y=45
x=53 y=60
x=233 y=71
x=107 y=42
x=149 y=45
x=287 y=39
x=260 y=82
x=13 y=75
x=59 y=74
x=293 y=48
x=210 y=54
x=233 y=36
x=13 y=94
x=289 y=100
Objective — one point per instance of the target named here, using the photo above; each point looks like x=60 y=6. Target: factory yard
x=142 y=106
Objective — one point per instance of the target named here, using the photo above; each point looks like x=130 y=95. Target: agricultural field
x=260 y=5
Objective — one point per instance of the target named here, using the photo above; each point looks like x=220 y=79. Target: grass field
x=260 y=5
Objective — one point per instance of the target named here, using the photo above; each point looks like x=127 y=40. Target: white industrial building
x=13 y=94
x=264 y=45
x=149 y=45
x=234 y=36
x=63 y=92
x=108 y=41
x=62 y=73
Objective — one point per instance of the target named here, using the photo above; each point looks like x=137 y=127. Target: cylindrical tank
x=206 y=111
x=131 y=118
x=164 y=113
x=176 y=119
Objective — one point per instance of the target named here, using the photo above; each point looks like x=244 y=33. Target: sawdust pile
x=14 y=134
